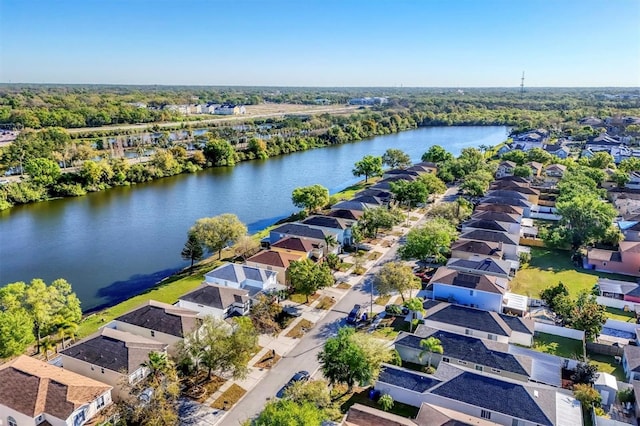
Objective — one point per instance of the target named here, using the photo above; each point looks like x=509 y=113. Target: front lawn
x=300 y=328
x=229 y=397
x=548 y=267
x=557 y=345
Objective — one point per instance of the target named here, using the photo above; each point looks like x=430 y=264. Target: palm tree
x=330 y=241
x=47 y=345
x=69 y=330
x=157 y=364
x=431 y=345
x=415 y=305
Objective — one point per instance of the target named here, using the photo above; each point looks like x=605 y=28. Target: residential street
x=304 y=355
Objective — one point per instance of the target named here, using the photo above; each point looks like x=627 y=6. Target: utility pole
x=522 y=85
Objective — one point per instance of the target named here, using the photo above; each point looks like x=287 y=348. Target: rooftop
x=487 y=265
x=295 y=244
x=406 y=379
x=274 y=258
x=462 y=316
x=456 y=278
x=162 y=317
x=216 y=296
x=237 y=273
x=493 y=236
x=326 y=222
x=300 y=230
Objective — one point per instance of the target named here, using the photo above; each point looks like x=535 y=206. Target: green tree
x=378 y=218
x=43 y=171
x=396 y=159
x=285 y=412
x=630 y=165
x=307 y=277
x=587 y=395
x=517 y=156
x=437 y=154
x=396 y=276
x=246 y=246
x=539 y=155
x=433 y=183
x=601 y=160
x=315 y=392
x=368 y=167
x=621 y=178
x=522 y=171
x=415 y=306
x=215 y=233
x=220 y=153
x=220 y=347
x=430 y=346
x=431 y=241
x=474 y=187
x=588 y=315
x=453 y=212
x=16 y=332
x=342 y=360
x=310 y=198
x=411 y=193
x=192 y=249
x=549 y=294
x=333 y=261
x=585 y=373
x=47 y=345
x=585 y=218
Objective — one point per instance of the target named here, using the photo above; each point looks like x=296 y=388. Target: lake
x=113 y=244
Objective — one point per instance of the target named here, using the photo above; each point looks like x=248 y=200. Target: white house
x=247 y=277
x=112 y=356
x=230 y=109
x=217 y=301
x=33 y=392
x=505 y=168
x=474 y=290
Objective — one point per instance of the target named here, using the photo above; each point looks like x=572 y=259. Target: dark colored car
x=354 y=315
x=300 y=376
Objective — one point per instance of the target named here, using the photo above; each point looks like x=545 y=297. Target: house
x=468 y=352
x=619 y=290
x=591 y=121
x=555 y=170
x=505 y=168
x=506 y=193
x=363 y=415
x=558 y=150
x=488 y=325
x=487 y=266
x=532 y=194
x=631 y=362
x=511 y=201
x=517 y=179
x=355 y=205
x=165 y=323
x=229 y=109
x=368 y=199
x=503 y=208
x=509 y=242
x=504 y=149
x=113 y=357
x=475 y=290
x=500 y=400
x=602 y=142
x=297 y=245
x=400 y=172
x=630 y=229
x=536 y=168
x=607 y=385
x=217 y=301
x=306 y=232
x=34 y=392
x=491 y=225
x=432 y=415
x=341 y=227
x=251 y=278
x=634 y=180
x=475 y=250
x=346 y=214
x=625 y=261
x=275 y=261
x=497 y=216
x=383 y=195
x=424 y=167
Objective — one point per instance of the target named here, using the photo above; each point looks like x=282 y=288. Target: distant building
x=368 y=101
x=229 y=109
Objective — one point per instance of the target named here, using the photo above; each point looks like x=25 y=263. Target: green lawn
x=167 y=293
x=350 y=192
x=607 y=364
x=557 y=345
x=620 y=315
x=548 y=267
x=362 y=397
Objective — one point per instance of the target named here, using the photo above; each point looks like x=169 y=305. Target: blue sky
x=429 y=43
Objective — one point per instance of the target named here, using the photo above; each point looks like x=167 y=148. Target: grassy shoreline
x=171 y=288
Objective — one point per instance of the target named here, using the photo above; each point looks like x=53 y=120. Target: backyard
x=548 y=267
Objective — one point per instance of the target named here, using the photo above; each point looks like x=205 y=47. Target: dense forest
x=60 y=164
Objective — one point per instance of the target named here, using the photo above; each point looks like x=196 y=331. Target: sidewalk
x=282 y=344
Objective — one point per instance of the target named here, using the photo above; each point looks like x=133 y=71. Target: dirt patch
x=201 y=390
x=300 y=328
x=229 y=398
x=344 y=286
x=268 y=360
x=326 y=303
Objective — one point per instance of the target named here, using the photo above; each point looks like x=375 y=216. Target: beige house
x=33 y=392
x=276 y=261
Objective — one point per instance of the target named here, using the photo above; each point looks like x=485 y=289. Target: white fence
x=629 y=327
x=545 y=216
x=558 y=331
x=616 y=303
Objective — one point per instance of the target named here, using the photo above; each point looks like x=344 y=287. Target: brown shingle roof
x=630 y=246
x=505 y=208
x=478 y=247
x=33 y=387
x=295 y=244
x=274 y=258
x=479 y=282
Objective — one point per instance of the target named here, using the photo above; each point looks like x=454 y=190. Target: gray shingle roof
x=498 y=216
x=490 y=225
x=406 y=379
x=239 y=273
x=300 y=230
x=114 y=350
x=472 y=350
x=487 y=265
x=519 y=324
x=162 y=317
x=500 y=207
x=326 y=222
x=632 y=355
x=478 y=281
x=518 y=202
x=492 y=236
x=506 y=193
x=462 y=316
x=496 y=395
x=216 y=296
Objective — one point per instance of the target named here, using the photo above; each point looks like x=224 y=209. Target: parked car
x=300 y=376
x=354 y=315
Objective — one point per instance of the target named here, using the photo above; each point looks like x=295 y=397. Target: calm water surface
x=113 y=244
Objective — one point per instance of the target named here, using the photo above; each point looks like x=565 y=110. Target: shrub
x=386 y=402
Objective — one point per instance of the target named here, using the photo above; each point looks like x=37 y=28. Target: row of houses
x=210 y=108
